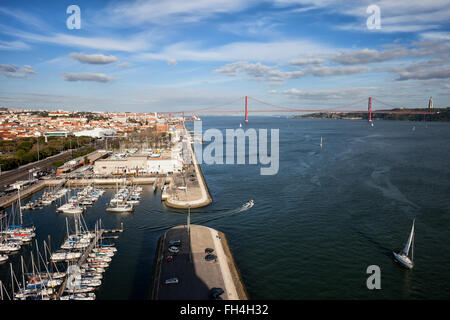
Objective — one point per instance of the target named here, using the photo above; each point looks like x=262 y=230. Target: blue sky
x=181 y=55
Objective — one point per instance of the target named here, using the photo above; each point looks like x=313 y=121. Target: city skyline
x=145 y=56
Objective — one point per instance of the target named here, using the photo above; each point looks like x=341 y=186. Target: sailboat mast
x=20 y=207
x=23 y=273
x=12 y=280
x=32 y=262
x=67 y=227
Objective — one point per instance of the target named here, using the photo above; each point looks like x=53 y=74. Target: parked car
x=169 y=258
x=174 y=242
x=171 y=281
x=209 y=250
x=211 y=257
x=174 y=249
x=215 y=293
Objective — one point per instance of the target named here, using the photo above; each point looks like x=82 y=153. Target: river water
x=316 y=225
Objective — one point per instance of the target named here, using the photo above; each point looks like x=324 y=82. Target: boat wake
x=246 y=206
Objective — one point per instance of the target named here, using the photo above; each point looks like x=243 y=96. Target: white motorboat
x=65 y=206
x=74 y=210
x=33 y=290
x=105 y=249
x=79 y=296
x=89 y=270
x=249 y=204
x=99 y=259
x=95 y=265
x=402 y=256
x=90 y=282
x=9 y=247
x=121 y=208
x=108 y=254
x=65 y=256
x=3 y=258
x=80 y=289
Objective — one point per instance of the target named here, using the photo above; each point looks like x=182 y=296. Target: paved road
x=21 y=173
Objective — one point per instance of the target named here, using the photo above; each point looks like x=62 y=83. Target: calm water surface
x=316 y=226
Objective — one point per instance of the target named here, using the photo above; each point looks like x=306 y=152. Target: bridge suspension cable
x=216 y=106
x=384 y=103
x=299 y=110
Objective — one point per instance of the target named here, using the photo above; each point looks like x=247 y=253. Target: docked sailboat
x=402 y=256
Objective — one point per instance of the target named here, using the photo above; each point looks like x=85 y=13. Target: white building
x=137 y=164
x=96 y=133
x=155 y=165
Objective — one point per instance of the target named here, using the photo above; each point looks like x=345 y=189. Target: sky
x=173 y=55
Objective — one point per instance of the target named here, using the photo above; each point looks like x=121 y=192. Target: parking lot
x=196 y=278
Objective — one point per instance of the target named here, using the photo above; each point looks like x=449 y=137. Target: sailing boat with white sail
x=402 y=256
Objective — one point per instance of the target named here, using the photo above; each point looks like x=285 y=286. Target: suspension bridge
x=259 y=106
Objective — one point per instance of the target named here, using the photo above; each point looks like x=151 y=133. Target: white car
x=174 y=249
x=172 y=281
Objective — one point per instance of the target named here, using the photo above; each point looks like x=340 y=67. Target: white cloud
x=425 y=73
x=258 y=71
x=13 y=71
x=124 y=64
x=271 y=51
x=171 y=62
x=24 y=17
x=369 y=55
x=171 y=12
x=436 y=36
x=133 y=43
x=320 y=95
x=93 y=58
x=13 y=45
x=306 y=61
x=97 y=77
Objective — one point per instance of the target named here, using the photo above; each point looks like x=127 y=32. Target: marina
x=71 y=272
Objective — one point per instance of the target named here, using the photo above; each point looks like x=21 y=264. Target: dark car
x=209 y=250
x=174 y=242
x=211 y=257
x=215 y=293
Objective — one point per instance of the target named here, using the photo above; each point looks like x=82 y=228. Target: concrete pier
x=196 y=275
x=194 y=192
x=8 y=200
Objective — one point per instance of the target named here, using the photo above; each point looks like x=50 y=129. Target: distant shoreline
x=441 y=114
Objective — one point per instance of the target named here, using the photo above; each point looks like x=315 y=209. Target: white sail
x=409 y=242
